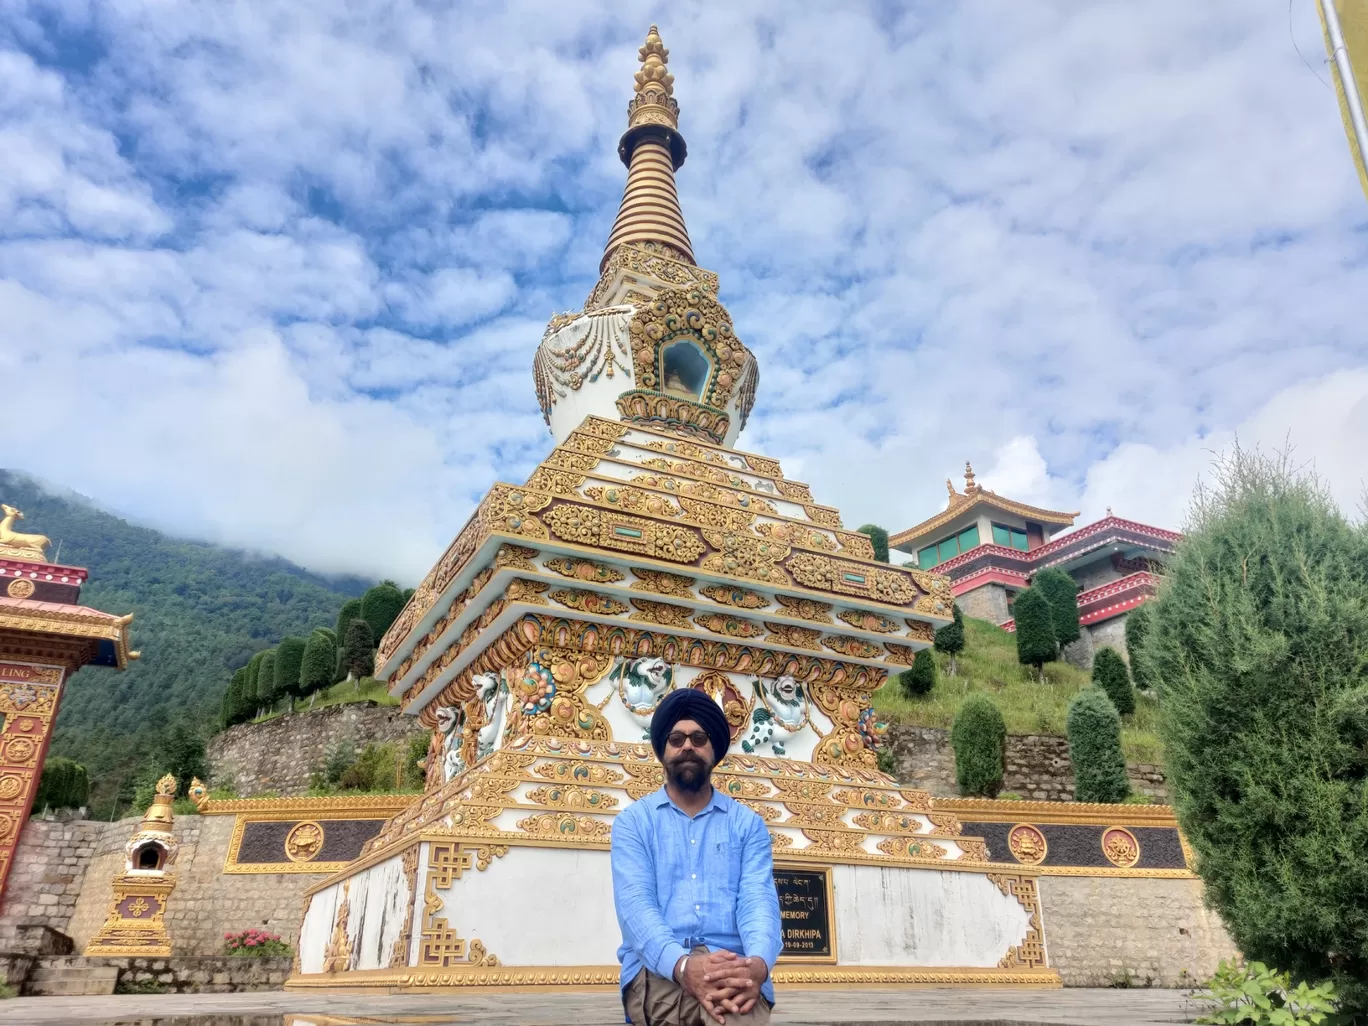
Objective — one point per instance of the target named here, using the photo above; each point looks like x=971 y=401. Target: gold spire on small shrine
x=970 y=487
x=653 y=150
x=159 y=815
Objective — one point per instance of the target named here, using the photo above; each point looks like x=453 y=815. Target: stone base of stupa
x=501 y=879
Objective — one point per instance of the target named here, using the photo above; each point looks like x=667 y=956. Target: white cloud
x=307 y=251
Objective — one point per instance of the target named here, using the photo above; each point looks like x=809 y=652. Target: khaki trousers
x=652 y=1000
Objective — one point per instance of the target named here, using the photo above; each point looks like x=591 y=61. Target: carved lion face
x=486 y=686
x=448 y=716
x=788 y=689
x=653 y=670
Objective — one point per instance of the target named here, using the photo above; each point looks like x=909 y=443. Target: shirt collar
x=719 y=802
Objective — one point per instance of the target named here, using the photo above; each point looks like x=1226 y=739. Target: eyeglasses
x=697 y=738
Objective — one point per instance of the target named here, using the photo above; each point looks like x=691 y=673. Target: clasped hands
x=724 y=981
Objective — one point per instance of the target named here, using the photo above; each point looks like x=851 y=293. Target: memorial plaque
x=805 y=913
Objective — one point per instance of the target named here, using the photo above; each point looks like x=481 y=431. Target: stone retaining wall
x=279 y=756
x=177 y=975
x=47 y=876
x=1037 y=766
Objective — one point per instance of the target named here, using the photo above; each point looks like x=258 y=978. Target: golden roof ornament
x=970 y=487
x=654 y=101
x=166 y=785
x=159 y=815
x=17 y=545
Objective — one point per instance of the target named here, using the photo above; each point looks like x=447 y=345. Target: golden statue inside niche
x=17 y=545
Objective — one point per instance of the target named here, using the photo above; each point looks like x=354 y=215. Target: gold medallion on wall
x=304 y=841
x=1120 y=846
x=1027 y=844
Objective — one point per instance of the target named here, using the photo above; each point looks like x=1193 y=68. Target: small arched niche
x=684 y=369
x=149 y=856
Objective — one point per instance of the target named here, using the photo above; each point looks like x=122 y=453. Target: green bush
x=1095 y=748
x=950 y=639
x=358 y=651
x=979 y=737
x=234 y=700
x=1061 y=591
x=1257 y=994
x=289 y=657
x=920 y=677
x=317 y=667
x=251 y=694
x=1137 y=627
x=1259 y=646
x=351 y=610
x=266 y=682
x=1110 y=674
x=878 y=537
x=1035 y=637
x=379 y=608
x=63 y=785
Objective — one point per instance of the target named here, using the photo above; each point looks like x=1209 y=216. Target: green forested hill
x=201 y=611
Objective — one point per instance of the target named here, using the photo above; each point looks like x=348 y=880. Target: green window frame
x=1010 y=537
x=926 y=558
x=948 y=548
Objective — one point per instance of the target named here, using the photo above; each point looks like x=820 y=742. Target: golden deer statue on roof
x=10 y=538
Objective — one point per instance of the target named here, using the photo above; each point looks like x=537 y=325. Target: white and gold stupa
x=645 y=554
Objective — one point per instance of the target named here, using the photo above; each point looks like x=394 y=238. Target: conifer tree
x=234 y=698
x=317 y=667
x=266 y=683
x=351 y=610
x=380 y=606
x=1061 y=591
x=1137 y=628
x=289 y=657
x=950 y=639
x=251 y=692
x=358 y=651
x=878 y=537
x=1258 y=646
x=979 y=737
x=920 y=678
x=65 y=784
x=1035 y=636
x=1095 y=748
x=1109 y=673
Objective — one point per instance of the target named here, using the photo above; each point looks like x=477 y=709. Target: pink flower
x=251 y=943
x=227 y=936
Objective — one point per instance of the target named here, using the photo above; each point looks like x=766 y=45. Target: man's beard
x=688 y=773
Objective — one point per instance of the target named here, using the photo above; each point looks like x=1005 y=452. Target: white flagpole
x=1352 y=96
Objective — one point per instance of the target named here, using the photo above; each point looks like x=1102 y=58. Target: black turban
x=690 y=704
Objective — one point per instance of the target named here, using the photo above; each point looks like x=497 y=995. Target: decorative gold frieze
x=791 y=533
x=515 y=557
x=1027 y=844
x=794 y=490
x=729 y=595
x=564 y=459
x=557 y=482
x=674 y=413
x=564 y=823
x=863 y=620
x=663 y=613
x=634 y=500
x=731 y=626
x=1030 y=953
x=338 y=951
x=888 y=822
x=805 y=609
x=579 y=772
x=572 y=797
x=856 y=648
x=522 y=590
x=1120 y=847
x=843 y=576
x=794 y=637
x=912 y=848
x=588 y=525
x=902 y=655
x=823 y=516
x=743 y=555
x=663 y=583
x=584 y=569
x=920 y=630
x=588 y=601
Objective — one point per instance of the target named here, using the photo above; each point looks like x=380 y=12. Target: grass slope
x=989 y=663
x=201 y=611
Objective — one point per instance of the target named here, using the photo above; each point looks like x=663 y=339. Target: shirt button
x=693 y=876
x=692 y=841
x=697 y=907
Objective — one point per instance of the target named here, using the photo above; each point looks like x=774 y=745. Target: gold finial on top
x=969 y=486
x=654 y=102
x=166 y=785
x=654 y=57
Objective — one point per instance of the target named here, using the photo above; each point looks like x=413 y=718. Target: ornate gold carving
x=572 y=797
x=564 y=459
x=888 y=822
x=805 y=609
x=583 y=348
x=674 y=413
x=853 y=543
x=741 y=555
x=768 y=813
x=1120 y=847
x=557 y=482
x=662 y=613
x=856 y=648
x=912 y=848
x=560 y=823
x=579 y=772
x=1027 y=844
x=849 y=578
x=634 y=500
x=729 y=595
x=698 y=316
x=588 y=601
x=522 y=590
x=1030 y=953
x=515 y=557
x=945 y=825
x=863 y=620
x=731 y=626
x=337 y=954
x=835 y=841
x=796 y=534
x=548 y=695
x=440 y=944
x=868 y=799
x=780 y=840
x=17 y=545
x=901 y=655
x=823 y=516
x=20 y=588
x=736 y=707
x=741 y=787
x=399 y=954
x=584 y=569
x=304 y=841
x=707 y=490
x=794 y=637
x=511 y=510
x=920 y=630
x=794 y=490
x=602 y=528
x=679 y=447
x=663 y=583
x=716 y=515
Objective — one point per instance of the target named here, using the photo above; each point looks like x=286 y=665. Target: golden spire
x=653 y=150
x=970 y=487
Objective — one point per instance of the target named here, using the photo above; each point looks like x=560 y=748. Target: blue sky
x=273 y=274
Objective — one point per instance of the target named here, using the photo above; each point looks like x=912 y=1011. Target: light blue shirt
x=680 y=881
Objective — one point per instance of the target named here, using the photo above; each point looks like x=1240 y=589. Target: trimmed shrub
x=878 y=537
x=318 y=665
x=920 y=678
x=289 y=658
x=358 y=651
x=1259 y=643
x=1137 y=629
x=1061 y=591
x=1035 y=637
x=351 y=610
x=234 y=698
x=1095 y=748
x=979 y=737
x=250 y=686
x=1110 y=674
x=327 y=632
x=950 y=639
x=63 y=785
x=379 y=608
x=266 y=694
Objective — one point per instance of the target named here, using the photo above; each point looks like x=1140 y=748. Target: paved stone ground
x=864 y=1007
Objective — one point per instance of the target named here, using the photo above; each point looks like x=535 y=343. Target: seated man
x=693 y=883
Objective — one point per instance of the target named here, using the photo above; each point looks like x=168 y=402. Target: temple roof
x=653 y=150
x=974 y=495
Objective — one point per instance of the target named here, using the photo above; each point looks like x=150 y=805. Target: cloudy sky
x=272 y=274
